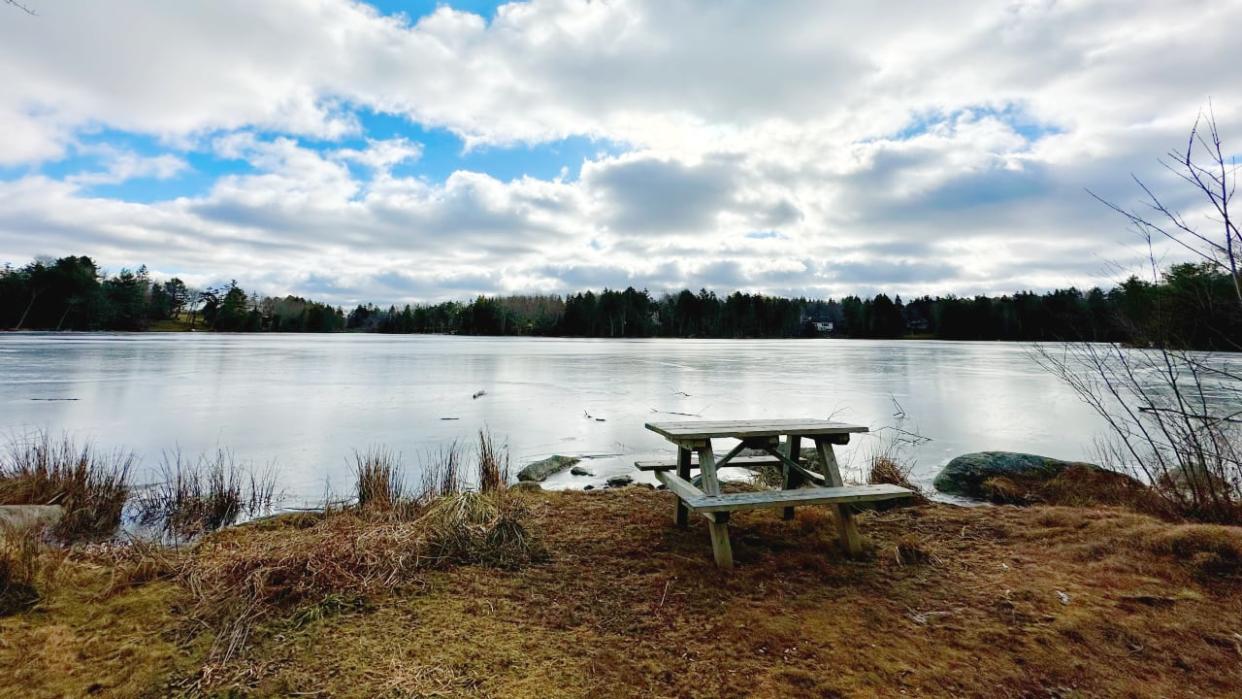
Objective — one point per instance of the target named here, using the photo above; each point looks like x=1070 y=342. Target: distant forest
x=1191 y=302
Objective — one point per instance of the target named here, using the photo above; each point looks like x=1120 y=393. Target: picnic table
x=800 y=485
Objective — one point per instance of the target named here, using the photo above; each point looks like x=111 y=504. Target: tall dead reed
x=493 y=464
x=207 y=494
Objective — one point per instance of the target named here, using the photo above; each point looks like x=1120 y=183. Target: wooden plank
x=791 y=478
x=683 y=489
x=805 y=474
x=742 y=429
x=722 y=550
x=707 y=470
x=731 y=502
x=681 y=513
x=742 y=461
x=847 y=528
x=732 y=453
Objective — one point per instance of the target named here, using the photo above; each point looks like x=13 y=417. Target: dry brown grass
x=379 y=483
x=493 y=464
x=20 y=569
x=989 y=602
x=1079 y=486
x=90 y=486
x=249 y=574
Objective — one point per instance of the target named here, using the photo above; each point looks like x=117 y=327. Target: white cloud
x=122 y=166
x=917 y=147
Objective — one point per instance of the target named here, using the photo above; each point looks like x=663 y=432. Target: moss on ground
x=999 y=601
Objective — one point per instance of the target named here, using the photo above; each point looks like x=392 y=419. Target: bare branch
x=23 y=8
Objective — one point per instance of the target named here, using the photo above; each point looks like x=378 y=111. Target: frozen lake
x=305 y=402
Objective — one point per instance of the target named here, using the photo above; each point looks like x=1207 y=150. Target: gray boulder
x=579 y=471
x=540 y=470
x=966 y=474
x=618 y=481
x=24 y=516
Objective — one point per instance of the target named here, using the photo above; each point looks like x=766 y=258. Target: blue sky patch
x=444 y=152
x=416 y=9
x=1012 y=114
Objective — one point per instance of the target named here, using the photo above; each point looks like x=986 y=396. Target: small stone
x=588 y=487
x=619 y=481
x=579 y=471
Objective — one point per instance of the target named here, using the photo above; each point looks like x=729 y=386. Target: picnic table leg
x=791 y=479
x=717 y=522
x=847 y=529
x=722 y=550
x=681 y=516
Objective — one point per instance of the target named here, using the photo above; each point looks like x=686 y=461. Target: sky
x=408 y=151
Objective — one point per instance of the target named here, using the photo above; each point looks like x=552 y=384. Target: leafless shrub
x=210 y=493
x=1173 y=415
x=1170 y=421
x=90 y=486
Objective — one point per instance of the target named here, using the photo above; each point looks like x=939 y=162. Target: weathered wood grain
x=689 y=430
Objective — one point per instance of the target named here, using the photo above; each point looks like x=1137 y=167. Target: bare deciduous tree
x=1174 y=416
x=1204 y=166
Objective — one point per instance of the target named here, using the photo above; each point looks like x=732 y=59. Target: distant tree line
x=71 y=293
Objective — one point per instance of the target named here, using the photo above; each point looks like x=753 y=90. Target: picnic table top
x=741 y=429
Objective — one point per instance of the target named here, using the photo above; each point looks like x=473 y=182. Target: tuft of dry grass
x=207 y=495
x=442 y=473
x=883 y=468
x=90 y=486
x=243 y=576
x=493 y=464
x=27 y=567
x=19 y=569
x=130 y=563
x=911 y=549
x=379 y=480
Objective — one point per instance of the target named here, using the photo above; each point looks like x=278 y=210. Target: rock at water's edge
x=22 y=516
x=579 y=471
x=618 y=481
x=540 y=470
x=965 y=474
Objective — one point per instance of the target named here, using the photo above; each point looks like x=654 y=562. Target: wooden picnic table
x=800 y=485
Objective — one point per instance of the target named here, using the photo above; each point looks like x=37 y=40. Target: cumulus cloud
x=794 y=145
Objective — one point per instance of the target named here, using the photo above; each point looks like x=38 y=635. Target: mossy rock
x=966 y=475
x=540 y=470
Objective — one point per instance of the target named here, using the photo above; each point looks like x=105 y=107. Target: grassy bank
x=1041 y=601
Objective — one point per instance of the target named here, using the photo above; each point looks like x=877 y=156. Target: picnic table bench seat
x=800 y=485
